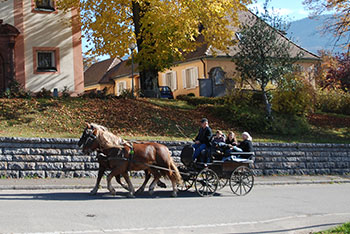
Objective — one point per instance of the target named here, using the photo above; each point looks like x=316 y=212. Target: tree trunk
x=149 y=75
x=267 y=105
x=149 y=83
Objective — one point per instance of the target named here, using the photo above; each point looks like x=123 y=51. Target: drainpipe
x=204 y=68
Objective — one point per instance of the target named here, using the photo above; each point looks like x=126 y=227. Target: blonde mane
x=106 y=138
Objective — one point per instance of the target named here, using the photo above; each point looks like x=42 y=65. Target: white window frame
x=173 y=83
x=194 y=82
x=119 y=92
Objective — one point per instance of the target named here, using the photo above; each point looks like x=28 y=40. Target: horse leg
x=153 y=185
x=131 y=187
x=99 y=177
x=161 y=184
x=147 y=177
x=113 y=173
x=118 y=179
x=174 y=184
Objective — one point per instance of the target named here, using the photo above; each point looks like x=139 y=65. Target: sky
x=293 y=9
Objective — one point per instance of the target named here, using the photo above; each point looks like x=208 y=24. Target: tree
x=163 y=30
x=264 y=53
x=339 y=24
x=338 y=77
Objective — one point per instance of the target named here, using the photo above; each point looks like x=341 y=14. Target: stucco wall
x=6 y=12
x=48 y=30
x=178 y=69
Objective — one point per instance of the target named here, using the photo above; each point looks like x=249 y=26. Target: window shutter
x=196 y=77
x=174 y=80
x=118 y=91
x=184 y=79
x=163 y=80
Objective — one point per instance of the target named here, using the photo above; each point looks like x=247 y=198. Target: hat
x=204 y=120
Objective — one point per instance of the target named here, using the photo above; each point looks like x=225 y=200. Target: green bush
x=333 y=101
x=196 y=101
x=250 y=118
x=293 y=96
x=15 y=90
x=44 y=93
x=245 y=97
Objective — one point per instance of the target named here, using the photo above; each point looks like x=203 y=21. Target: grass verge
x=343 y=229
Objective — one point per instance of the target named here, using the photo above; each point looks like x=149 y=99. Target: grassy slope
x=141 y=119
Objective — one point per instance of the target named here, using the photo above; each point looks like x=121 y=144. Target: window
x=190 y=78
x=46 y=59
x=169 y=79
x=44 y=5
x=121 y=86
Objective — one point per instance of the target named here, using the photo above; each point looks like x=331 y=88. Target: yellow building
x=184 y=77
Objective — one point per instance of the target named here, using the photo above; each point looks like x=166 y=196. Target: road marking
x=189 y=226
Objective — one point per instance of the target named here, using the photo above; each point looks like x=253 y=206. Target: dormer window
x=44 y=5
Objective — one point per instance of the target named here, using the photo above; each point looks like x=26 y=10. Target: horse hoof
x=139 y=191
x=93 y=192
x=151 y=192
x=174 y=194
x=130 y=196
x=113 y=192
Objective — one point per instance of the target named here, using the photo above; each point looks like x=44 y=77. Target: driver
x=202 y=141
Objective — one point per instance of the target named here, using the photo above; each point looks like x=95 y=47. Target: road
x=267 y=209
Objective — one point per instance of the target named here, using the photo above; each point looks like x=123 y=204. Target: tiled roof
x=96 y=71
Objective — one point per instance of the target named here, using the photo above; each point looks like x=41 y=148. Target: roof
x=120 y=70
x=205 y=51
x=105 y=71
x=95 y=73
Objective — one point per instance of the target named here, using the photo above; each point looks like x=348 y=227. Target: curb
x=304 y=182
x=73 y=187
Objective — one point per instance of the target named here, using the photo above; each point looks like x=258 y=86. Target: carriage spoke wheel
x=242 y=181
x=222 y=183
x=186 y=185
x=206 y=182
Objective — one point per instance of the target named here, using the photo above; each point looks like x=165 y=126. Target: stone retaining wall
x=42 y=157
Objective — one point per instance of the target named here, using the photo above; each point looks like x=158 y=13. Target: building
x=40 y=46
x=190 y=75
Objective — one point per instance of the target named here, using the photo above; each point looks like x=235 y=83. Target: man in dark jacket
x=202 y=141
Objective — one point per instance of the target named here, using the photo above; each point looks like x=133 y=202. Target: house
x=199 y=67
x=40 y=46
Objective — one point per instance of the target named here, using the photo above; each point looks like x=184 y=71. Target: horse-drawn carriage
x=121 y=157
x=207 y=178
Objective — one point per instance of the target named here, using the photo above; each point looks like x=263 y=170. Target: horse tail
x=175 y=171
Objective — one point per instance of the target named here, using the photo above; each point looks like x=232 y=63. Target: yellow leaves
x=168 y=27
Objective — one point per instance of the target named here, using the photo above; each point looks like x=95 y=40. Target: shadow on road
x=79 y=196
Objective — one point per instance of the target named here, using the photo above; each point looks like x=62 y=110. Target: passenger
x=246 y=145
x=219 y=139
x=231 y=143
x=202 y=141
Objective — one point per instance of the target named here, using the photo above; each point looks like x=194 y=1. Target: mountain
x=309 y=34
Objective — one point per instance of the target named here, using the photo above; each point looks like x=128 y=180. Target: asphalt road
x=267 y=209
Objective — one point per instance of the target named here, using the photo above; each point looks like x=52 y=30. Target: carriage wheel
x=222 y=183
x=206 y=182
x=242 y=180
x=186 y=185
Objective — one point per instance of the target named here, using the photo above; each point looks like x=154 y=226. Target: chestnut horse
x=110 y=140
x=138 y=156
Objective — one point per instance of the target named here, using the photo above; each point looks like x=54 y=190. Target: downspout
x=204 y=68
